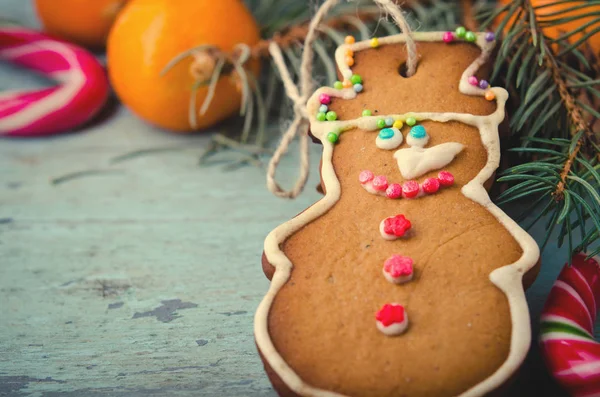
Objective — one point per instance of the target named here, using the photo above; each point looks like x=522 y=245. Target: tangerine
x=82 y=22
x=550 y=7
x=149 y=33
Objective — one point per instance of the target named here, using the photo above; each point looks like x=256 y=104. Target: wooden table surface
x=144 y=281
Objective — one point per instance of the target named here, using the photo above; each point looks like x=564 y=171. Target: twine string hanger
x=299 y=95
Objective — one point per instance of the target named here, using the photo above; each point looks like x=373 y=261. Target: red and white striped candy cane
x=567 y=330
x=82 y=91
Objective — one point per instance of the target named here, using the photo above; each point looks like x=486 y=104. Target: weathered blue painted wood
x=142 y=282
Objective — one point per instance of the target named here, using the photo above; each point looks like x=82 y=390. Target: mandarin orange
x=553 y=32
x=82 y=22
x=150 y=33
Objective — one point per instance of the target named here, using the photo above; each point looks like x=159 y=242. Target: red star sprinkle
x=396 y=225
x=390 y=314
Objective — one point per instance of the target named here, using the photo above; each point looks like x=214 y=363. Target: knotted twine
x=300 y=123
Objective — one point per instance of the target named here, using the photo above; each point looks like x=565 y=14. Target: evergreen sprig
x=555 y=82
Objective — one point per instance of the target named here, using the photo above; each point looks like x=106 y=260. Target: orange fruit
x=85 y=22
x=556 y=31
x=150 y=33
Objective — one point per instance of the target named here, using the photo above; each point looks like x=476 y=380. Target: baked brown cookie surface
x=465 y=326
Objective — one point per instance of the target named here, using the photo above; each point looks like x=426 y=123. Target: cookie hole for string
x=403 y=70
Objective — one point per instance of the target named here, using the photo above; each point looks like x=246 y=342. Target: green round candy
x=380 y=123
x=367 y=112
x=461 y=31
x=356 y=79
x=331 y=115
x=411 y=121
x=470 y=36
x=321 y=116
x=338 y=85
x=332 y=137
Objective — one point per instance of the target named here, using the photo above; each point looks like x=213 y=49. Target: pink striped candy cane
x=567 y=330
x=82 y=91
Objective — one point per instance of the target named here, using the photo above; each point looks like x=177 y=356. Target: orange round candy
x=349 y=53
x=347 y=84
x=349 y=61
x=349 y=39
x=490 y=96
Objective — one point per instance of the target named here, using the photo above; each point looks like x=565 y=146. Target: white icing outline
x=507 y=278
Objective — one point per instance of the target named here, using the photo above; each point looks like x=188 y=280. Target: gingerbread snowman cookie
x=404 y=279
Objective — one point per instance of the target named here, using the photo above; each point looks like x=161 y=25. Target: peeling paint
x=115 y=305
x=236 y=313
x=167 y=312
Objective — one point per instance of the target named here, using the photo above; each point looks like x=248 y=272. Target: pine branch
x=559 y=153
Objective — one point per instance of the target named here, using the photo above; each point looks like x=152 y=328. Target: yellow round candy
x=374 y=42
x=398 y=124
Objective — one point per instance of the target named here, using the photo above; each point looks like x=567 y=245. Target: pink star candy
x=398 y=269
x=394 y=227
x=392 y=319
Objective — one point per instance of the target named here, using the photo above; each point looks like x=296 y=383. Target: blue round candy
x=358 y=87
x=323 y=108
x=386 y=133
x=418 y=131
x=389 y=121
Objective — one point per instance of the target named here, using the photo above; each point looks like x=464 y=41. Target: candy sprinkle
x=386 y=133
x=410 y=189
x=347 y=84
x=358 y=87
x=366 y=113
x=338 y=85
x=374 y=42
x=446 y=178
x=356 y=79
x=431 y=185
x=365 y=176
x=332 y=137
x=394 y=191
x=483 y=84
x=380 y=183
x=349 y=61
x=461 y=32
x=349 y=52
x=490 y=36
x=325 y=99
x=321 y=116
x=389 y=121
x=349 y=39
x=473 y=81
x=323 y=109
x=490 y=96
x=398 y=124
x=380 y=123
x=470 y=37
x=331 y=115
x=448 y=37
x=410 y=121
x=418 y=131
